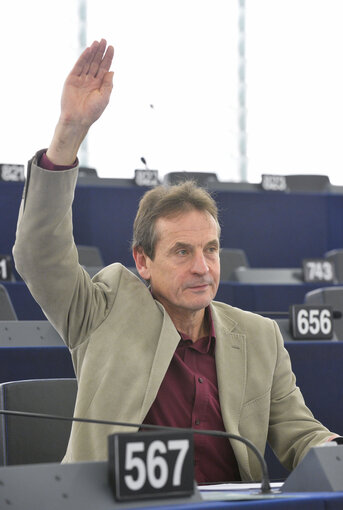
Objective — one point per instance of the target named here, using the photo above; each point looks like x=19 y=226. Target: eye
x=212 y=249
x=182 y=252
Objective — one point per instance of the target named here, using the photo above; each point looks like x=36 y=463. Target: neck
x=194 y=325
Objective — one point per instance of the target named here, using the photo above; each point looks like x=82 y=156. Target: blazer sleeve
x=292 y=426
x=46 y=257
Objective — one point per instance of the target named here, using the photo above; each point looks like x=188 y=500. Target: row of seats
x=310 y=183
x=29 y=440
x=235 y=266
x=14 y=332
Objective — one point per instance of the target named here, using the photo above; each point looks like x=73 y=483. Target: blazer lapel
x=231 y=366
x=167 y=343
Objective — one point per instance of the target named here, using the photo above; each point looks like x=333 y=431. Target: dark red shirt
x=188 y=398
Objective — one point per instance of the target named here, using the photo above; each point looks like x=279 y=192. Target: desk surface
x=85 y=485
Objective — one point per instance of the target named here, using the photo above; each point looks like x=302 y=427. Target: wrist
x=66 y=142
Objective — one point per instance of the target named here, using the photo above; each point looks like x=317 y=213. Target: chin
x=199 y=304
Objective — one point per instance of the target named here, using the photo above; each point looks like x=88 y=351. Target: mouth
x=199 y=287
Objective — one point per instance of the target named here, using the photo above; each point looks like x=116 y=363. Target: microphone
x=143 y=160
x=265 y=482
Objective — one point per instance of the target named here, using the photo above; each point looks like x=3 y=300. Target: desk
x=264 y=297
x=302 y=501
x=85 y=486
x=35 y=363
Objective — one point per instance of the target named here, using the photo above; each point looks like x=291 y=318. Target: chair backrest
x=28 y=334
x=86 y=171
x=200 y=178
x=90 y=256
x=25 y=440
x=329 y=296
x=276 y=276
x=308 y=183
x=336 y=257
x=7 y=311
x=284 y=327
x=231 y=259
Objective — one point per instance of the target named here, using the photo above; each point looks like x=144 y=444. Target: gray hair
x=161 y=202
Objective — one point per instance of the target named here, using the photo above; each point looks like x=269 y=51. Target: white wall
x=180 y=56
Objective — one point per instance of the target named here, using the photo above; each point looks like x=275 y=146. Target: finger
x=94 y=48
x=83 y=62
x=97 y=58
x=106 y=62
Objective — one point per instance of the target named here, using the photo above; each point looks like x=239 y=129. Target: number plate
x=311 y=322
x=318 y=270
x=273 y=182
x=151 y=465
x=146 y=177
x=12 y=172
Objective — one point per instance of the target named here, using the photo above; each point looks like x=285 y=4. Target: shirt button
x=197 y=422
x=201 y=380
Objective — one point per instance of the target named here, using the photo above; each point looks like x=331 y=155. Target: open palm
x=88 y=87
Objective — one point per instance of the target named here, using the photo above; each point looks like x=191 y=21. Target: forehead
x=186 y=226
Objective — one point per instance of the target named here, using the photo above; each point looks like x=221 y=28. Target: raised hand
x=88 y=87
x=85 y=96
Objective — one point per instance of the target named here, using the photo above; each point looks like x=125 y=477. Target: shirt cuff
x=335 y=438
x=45 y=163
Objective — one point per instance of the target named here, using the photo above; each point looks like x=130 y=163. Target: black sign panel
x=151 y=465
x=311 y=322
x=318 y=270
x=12 y=172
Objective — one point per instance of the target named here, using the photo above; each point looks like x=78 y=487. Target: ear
x=142 y=262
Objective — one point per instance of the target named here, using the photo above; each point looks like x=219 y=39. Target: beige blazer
x=121 y=341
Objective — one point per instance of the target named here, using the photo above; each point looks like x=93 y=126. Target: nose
x=199 y=264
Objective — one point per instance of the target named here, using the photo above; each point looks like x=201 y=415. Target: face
x=185 y=272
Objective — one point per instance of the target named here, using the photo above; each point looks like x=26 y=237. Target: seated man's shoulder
x=116 y=276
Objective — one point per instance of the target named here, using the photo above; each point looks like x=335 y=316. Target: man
x=167 y=354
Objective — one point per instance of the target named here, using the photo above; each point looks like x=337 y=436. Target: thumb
x=107 y=82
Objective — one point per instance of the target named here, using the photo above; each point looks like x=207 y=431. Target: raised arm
x=44 y=252
x=85 y=96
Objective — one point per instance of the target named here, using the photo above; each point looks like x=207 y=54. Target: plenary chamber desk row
x=86 y=486
x=261 y=223
x=252 y=297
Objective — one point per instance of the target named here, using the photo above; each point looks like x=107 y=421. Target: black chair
x=230 y=260
x=329 y=296
x=7 y=311
x=90 y=258
x=25 y=440
x=89 y=255
x=336 y=257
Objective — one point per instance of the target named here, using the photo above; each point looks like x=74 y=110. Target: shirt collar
x=203 y=344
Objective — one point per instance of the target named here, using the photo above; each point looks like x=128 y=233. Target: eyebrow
x=182 y=246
